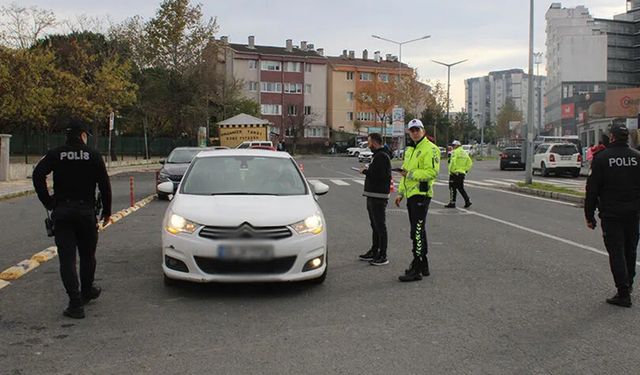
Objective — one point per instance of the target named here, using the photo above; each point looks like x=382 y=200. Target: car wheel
x=163 y=196
x=544 y=172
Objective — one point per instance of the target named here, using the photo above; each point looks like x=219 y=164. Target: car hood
x=175 y=169
x=232 y=211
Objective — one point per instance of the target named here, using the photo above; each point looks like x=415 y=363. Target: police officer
x=613 y=187
x=419 y=172
x=460 y=164
x=77 y=169
x=377 y=186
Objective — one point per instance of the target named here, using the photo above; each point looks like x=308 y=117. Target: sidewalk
x=18 y=188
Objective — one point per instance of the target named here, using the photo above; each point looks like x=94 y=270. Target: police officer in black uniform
x=613 y=187
x=77 y=169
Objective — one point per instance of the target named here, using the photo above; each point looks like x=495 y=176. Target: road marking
x=499 y=182
x=479 y=183
x=438 y=183
x=27 y=265
x=361 y=182
x=534 y=231
x=501 y=190
x=313 y=182
x=340 y=182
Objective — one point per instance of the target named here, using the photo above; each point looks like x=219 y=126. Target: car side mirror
x=166 y=187
x=320 y=189
x=162 y=161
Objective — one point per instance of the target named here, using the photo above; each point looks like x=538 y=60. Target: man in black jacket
x=77 y=169
x=377 y=186
x=613 y=187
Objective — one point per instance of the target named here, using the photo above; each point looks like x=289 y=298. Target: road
x=517 y=286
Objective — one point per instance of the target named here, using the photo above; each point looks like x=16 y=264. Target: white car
x=355 y=151
x=244 y=216
x=557 y=158
x=365 y=156
x=470 y=149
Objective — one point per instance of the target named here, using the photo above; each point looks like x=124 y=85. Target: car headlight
x=312 y=224
x=178 y=224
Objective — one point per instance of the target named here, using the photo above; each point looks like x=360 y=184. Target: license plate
x=245 y=252
x=565 y=158
x=514 y=162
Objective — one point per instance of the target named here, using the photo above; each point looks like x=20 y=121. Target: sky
x=492 y=34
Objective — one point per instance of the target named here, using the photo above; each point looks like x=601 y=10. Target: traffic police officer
x=419 y=172
x=613 y=187
x=460 y=164
x=77 y=169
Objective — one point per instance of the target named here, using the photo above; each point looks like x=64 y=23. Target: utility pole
x=529 y=140
x=448 y=90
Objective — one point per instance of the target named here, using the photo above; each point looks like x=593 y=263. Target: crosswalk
x=486 y=183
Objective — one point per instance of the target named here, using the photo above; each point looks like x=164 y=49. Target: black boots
x=415 y=272
x=75 y=309
x=450 y=205
x=622 y=298
x=92 y=294
x=467 y=204
x=369 y=255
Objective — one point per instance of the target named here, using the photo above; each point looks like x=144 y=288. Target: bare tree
x=83 y=22
x=21 y=27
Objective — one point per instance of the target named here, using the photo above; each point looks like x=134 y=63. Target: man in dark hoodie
x=613 y=187
x=77 y=170
x=377 y=186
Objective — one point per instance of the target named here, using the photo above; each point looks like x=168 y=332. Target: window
x=271 y=109
x=349 y=116
x=349 y=76
x=314 y=132
x=271 y=65
x=350 y=96
x=307 y=110
x=253 y=86
x=366 y=116
x=307 y=88
x=293 y=88
x=307 y=68
x=293 y=110
x=253 y=64
x=365 y=76
x=384 y=77
x=292 y=67
x=270 y=86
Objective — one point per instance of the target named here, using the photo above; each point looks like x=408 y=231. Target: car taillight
x=552 y=158
x=580 y=158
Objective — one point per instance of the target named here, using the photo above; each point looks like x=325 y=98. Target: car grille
x=245 y=231
x=175 y=177
x=215 y=266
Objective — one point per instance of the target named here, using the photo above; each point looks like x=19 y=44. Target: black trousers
x=418 y=207
x=621 y=241
x=376 y=208
x=76 y=230
x=456 y=183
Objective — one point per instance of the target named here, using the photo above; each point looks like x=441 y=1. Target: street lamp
x=529 y=141
x=448 y=88
x=400 y=55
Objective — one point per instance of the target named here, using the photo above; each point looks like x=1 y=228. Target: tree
x=178 y=35
x=509 y=112
x=379 y=97
x=463 y=127
x=21 y=27
x=434 y=115
x=412 y=94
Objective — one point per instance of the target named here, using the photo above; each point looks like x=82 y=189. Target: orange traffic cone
x=393 y=185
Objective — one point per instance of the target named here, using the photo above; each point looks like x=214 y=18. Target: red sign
x=568 y=111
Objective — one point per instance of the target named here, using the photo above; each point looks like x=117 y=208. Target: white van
x=249 y=144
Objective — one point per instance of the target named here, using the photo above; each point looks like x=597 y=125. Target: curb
x=548 y=194
x=16 y=194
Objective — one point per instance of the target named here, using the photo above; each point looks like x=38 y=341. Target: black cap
x=77 y=127
x=619 y=129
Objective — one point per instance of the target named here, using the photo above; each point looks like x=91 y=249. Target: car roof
x=190 y=148
x=244 y=152
x=513 y=148
x=560 y=144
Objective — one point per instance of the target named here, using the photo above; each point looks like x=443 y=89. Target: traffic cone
x=393 y=185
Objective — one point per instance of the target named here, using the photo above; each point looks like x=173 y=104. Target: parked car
x=355 y=151
x=557 y=158
x=226 y=222
x=470 y=149
x=250 y=144
x=256 y=147
x=365 y=156
x=174 y=167
x=511 y=158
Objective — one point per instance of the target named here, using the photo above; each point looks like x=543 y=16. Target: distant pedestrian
x=77 y=170
x=460 y=164
x=377 y=186
x=420 y=169
x=613 y=187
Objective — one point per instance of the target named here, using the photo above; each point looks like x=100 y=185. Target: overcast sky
x=492 y=34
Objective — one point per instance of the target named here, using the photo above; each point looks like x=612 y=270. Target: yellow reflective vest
x=422 y=163
x=460 y=162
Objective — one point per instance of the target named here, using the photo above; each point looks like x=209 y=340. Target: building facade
x=289 y=83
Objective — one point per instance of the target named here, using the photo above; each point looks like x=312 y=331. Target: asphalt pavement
x=517 y=287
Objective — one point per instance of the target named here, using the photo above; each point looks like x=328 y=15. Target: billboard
x=623 y=102
x=233 y=135
x=568 y=111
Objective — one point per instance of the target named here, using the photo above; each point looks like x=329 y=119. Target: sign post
x=111 y=127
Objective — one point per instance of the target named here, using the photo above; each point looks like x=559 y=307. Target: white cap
x=415 y=123
x=456 y=143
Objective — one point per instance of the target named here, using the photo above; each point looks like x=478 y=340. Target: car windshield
x=182 y=156
x=565 y=150
x=244 y=175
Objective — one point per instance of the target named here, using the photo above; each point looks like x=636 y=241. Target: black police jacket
x=77 y=169
x=613 y=185
x=377 y=184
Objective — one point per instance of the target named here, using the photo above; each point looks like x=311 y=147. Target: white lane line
x=313 y=181
x=478 y=183
x=499 y=190
x=340 y=182
x=500 y=182
x=361 y=182
x=511 y=180
x=438 y=183
x=539 y=233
